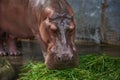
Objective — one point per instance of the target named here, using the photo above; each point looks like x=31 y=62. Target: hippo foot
x=3 y=53
x=14 y=53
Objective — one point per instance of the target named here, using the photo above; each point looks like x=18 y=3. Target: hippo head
x=58 y=34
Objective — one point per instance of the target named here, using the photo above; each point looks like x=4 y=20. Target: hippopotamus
x=51 y=22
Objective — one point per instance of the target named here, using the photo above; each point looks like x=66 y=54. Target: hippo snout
x=65 y=54
x=61 y=60
x=63 y=57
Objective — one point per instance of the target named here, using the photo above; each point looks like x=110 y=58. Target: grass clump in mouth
x=91 y=67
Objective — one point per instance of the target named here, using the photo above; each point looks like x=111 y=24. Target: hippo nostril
x=64 y=57
x=59 y=58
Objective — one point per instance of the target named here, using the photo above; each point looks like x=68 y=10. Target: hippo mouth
x=52 y=62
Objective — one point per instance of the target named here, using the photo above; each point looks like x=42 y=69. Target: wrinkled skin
x=49 y=21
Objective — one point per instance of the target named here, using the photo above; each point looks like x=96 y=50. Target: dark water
x=97 y=49
x=31 y=51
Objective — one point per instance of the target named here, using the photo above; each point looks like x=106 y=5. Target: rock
x=6 y=70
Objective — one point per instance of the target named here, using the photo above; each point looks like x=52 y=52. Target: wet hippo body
x=49 y=21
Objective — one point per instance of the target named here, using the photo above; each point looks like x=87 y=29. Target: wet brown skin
x=49 y=21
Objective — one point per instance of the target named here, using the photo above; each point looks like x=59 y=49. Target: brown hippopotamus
x=51 y=22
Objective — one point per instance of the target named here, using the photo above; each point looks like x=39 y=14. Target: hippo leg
x=11 y=43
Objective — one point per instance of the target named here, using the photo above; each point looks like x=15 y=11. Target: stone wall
x=112 y=22
x=97 y=20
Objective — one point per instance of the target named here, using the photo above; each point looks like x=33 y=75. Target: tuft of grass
x=91 y=67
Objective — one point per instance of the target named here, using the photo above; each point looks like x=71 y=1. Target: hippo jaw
x=59 y=61
x=52 y=63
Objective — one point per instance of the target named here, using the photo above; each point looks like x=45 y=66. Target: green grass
x=91 y=67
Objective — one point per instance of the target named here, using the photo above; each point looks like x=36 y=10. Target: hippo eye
x=51 y=19
x=69 y=30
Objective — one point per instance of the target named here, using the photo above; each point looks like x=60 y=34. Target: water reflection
x=31 y=51
x=111 y=50
x=99 y=49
